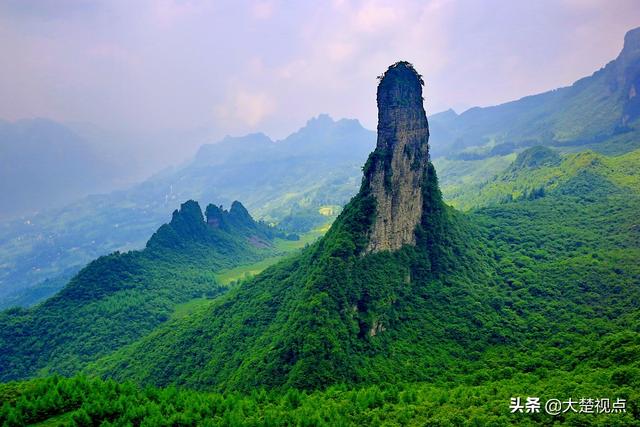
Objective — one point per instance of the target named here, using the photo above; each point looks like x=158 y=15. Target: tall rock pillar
x=397 y=168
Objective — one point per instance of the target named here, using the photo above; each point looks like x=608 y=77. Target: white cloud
x=376 y=17
x=114 y=53
x=291 y=69
x=245 y=108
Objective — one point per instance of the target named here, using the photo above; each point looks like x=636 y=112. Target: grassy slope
x=285 y=247
x=515 y=184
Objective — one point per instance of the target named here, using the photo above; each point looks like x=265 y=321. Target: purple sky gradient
x=241 y=66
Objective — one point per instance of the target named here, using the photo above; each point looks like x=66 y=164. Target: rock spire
x=397 y=169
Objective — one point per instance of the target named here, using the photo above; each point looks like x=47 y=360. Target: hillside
x=121 y=297
x=457 y=301
x=539 y=171
x=568 y=300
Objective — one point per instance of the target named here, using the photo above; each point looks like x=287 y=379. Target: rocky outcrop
x=240 y=215
x=398 y=167
x=216 y=217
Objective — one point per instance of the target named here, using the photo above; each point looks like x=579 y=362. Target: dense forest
x=121 y=297
x=569 y=328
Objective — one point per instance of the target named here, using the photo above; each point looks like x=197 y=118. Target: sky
x=234 y=67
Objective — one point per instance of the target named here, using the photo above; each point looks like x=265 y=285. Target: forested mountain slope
x=525 y=286
x=121 y=297
x=538 y=171
x=568 y=294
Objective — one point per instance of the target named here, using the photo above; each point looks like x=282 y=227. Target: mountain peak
x=397 y=169
x=628 y=78
x=631 y=46
x=240 y=213
x=250 y=138
x=187 y=223
x=215 y=216
x=188 y=220
x=189 y=213
x=322 y=119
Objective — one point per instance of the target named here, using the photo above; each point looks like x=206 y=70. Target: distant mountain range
x=316 y=170
x=286 y=181
x=601 y=112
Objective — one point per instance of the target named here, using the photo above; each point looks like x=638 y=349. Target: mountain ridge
x=92 y=315
x=44 y=246
x=592 y=111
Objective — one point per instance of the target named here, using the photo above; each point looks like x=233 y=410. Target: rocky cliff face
x=398 y=167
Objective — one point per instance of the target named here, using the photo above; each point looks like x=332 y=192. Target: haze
x=206 y=69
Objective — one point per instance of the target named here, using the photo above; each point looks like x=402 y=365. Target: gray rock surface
x=400 y=162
